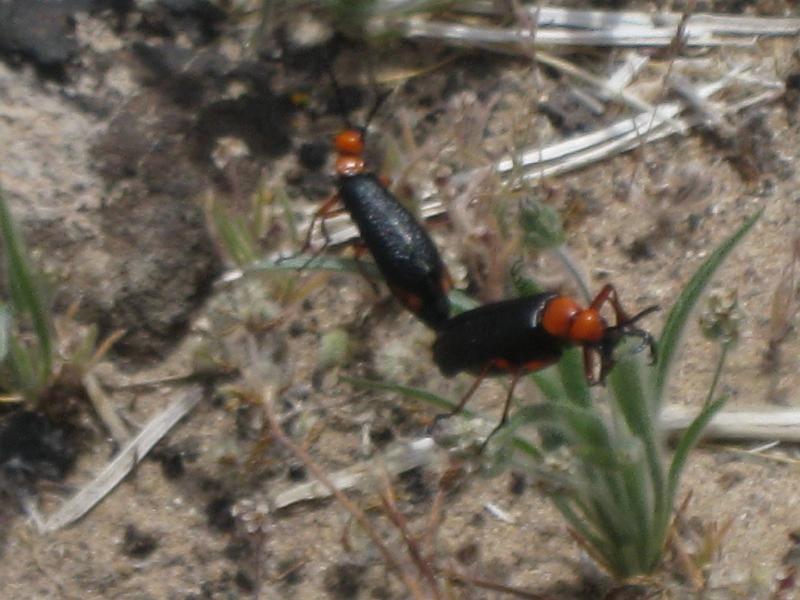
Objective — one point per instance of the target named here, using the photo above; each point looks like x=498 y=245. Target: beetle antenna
x=339 y=94
x=640 y=315
x=379 y=100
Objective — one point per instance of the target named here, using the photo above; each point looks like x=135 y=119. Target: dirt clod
x=137 y=543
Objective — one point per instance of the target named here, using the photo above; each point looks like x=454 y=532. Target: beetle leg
x=359 y=249
x=464 y=399
x=646 y=340
x=609 y=294
x=515 y=378
x=323 y=213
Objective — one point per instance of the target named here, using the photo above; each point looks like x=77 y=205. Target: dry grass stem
x=125 y=460
x=104 y=409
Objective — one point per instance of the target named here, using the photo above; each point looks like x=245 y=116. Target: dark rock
x=32 y=447
x=381 y=435
x=244 y=582
x=517 y=483
x=42 y=31
x=219 y=514
x=260 y=120
x=137 y=544
x=415 y=485
x=171 y=460
x=296 y=472
x=640 y=249
x=791 y=96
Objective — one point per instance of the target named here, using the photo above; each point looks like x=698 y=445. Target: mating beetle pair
x=511 y=337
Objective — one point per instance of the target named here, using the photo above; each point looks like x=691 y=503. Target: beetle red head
x=349 y=141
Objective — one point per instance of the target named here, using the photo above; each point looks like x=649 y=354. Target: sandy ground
x=108 y=174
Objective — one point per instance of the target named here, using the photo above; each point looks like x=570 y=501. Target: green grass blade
x=6 y=322
x=688 y=441
x=300 y=263
x=26 y=295
x=282 y=198
x=679 y=315
x=23 y=368
x=407 y=391
x=630 y=391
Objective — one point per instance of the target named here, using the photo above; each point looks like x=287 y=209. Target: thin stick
x=781 y=425
x=399 y=521
x=104 y=409
x=389 y=557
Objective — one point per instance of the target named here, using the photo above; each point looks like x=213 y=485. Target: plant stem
x=717 y=372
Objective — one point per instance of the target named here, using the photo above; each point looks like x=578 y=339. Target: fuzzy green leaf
x=679 y=315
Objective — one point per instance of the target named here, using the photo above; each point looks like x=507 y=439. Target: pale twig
x=784 y=307
x=611 y=90
x=102 y=406
x=498 y=513
x=399 y=459
x=781 y=425
x=119 y=467
x=521 y=40
x=391 y=560
x=104 y=346
x=434 y=519
x=711 y=115
x=550 y=16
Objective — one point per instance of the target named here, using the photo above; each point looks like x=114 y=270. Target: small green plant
x=604 y=464
x=26 y=325
x=35 y=353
